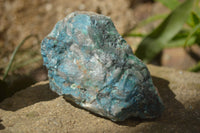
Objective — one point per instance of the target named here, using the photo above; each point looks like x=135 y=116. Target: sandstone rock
x=37 y=109
x=92 y=65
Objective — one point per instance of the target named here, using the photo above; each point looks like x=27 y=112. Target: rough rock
x=37 y=109
x=92 y=65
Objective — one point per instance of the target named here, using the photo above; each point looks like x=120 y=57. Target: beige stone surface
x=179 y=58
x=38 y=110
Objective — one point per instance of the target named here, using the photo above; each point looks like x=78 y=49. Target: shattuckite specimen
x=92 y=65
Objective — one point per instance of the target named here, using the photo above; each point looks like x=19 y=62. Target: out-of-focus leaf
x=155 y=41
x=195 y=68
x=145 y=22
x=152 y=19
x=197 y=9
x=193 y=31
x=171 y=4
x=135 y=35
x=180 y=42
x=193 y=19
x=181 y=34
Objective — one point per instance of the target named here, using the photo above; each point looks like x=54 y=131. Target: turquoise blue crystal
x=92 y=65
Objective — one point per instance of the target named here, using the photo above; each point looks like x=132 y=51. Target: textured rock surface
x=38 y=110
x=92 y=65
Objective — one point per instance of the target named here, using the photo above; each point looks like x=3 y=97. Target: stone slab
x=37 y=109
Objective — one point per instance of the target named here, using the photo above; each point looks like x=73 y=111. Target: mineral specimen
x=92 y=65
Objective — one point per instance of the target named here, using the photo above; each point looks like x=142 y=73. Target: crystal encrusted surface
x=92 y=65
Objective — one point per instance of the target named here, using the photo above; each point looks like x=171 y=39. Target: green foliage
x=171 y=4
x=143 y=23
x=194 y=31
x=153 y=43
x=15 y=52
x=193 y=19
x=196 y=68
x=181 y=28
x=180 y=42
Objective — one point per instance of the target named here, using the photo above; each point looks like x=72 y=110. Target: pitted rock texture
x=92 y=65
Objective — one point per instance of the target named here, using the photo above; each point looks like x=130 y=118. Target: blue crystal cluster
x=92 y=65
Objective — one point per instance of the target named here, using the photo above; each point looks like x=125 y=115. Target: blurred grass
x=7 y=69
x=154 y=42
x=181 y=28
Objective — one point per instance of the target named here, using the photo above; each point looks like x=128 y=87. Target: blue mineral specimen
x=92 y=65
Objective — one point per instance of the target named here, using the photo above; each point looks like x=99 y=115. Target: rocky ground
x=37 y=109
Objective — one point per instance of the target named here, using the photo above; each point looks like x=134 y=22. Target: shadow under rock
x=28 y=97
x=14 y=84
x=175 y=118
x=170 y=103
x=1 y=125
